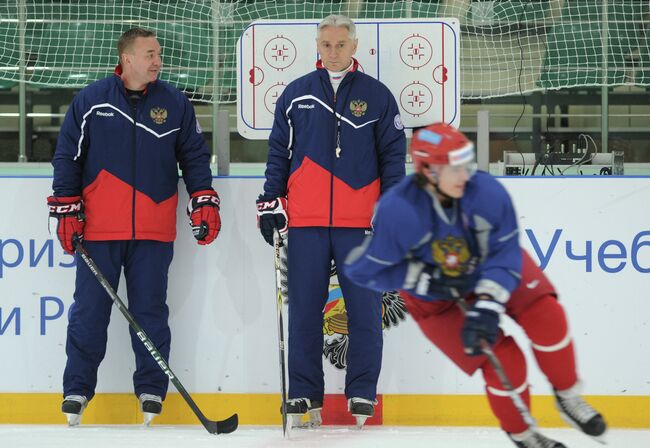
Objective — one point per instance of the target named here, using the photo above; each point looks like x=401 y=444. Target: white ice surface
x=124 y=436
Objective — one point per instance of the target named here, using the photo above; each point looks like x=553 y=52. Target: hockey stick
x=494 y=361
x=214 y=427
x=277 y=246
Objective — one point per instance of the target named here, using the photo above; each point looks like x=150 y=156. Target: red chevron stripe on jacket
x=123 y=159
x=326 y=186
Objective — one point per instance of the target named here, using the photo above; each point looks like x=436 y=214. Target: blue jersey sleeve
x=381 y=263
x=497 y=234
x=391 y=144
x=71 y=147
x=278 y=162
x=192 y=152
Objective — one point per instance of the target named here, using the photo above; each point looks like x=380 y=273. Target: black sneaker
x=73 y=406
x=532 y=439
x=578 y=413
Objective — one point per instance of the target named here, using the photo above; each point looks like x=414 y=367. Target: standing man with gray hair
x=336 y=145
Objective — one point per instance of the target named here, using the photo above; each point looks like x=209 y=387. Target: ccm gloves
x=203 y=210
x=271 y=215
x=67 y=214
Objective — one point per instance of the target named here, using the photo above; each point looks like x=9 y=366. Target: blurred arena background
x=550 y=75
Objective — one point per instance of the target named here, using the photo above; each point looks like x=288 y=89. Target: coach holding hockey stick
x=336 y=145
x=116 y=187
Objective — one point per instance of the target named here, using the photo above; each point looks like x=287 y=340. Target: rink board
x=262 y=409
x=222 y=313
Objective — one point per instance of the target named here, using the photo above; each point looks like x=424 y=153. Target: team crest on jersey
x=358 y=107
x=452 y=255
x=158 y=115
x=335 y=320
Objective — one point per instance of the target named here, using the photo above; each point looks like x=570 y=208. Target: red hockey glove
x=203 y=210
x=481 y=322
x=271 y=215
x=68 y=215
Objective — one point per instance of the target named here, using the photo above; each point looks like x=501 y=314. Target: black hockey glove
x=481 y=322
x=271 y=215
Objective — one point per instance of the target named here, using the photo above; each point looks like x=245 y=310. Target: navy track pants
x=146 y=264
x=311 y=250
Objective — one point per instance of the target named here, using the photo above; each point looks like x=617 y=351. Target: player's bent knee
x=514 y=363
x=545 y=322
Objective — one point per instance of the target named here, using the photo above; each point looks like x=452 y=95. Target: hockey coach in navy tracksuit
x=337 y=143
x=116 y=187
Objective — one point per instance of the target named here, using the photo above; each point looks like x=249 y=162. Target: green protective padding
x=575 y=50
x=72 y=43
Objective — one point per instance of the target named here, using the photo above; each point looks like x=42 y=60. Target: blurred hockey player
x=337 y=143
x=447 y=230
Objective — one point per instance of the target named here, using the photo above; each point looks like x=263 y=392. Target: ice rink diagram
x=417 y=59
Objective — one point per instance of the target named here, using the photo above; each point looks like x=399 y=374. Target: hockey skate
x=579 y=414
x=298 y=407
x=151 y=406
x=361 y=409
x=532 y=439
x=73 y=406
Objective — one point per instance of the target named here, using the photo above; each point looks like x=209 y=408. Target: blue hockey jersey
x=474 y=241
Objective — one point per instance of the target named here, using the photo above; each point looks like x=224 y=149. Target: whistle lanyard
x=337 y=118
x=338 y=136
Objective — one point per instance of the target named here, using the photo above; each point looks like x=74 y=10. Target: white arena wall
x=591 y=235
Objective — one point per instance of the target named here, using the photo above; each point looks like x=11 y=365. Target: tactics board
x=418 y=59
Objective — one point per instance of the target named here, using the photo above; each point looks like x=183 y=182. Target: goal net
x=507 y=46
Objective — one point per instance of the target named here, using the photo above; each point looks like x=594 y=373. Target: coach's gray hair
x=339 y=20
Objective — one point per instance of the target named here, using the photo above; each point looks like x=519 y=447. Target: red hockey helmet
x=440 y=144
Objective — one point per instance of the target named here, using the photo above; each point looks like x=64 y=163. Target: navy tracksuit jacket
x=122 y=158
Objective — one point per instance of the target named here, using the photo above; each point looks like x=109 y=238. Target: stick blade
x=222 y=426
